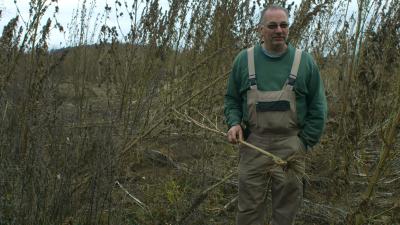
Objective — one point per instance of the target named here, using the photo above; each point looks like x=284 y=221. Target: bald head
x=270 y=8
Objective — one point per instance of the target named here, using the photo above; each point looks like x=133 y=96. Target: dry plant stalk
x=276 y=159
x=201 y=197
x=135 y=200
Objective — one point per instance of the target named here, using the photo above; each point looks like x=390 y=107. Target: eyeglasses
x=273 y=26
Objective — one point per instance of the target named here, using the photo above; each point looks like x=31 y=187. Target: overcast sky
x=58 y=39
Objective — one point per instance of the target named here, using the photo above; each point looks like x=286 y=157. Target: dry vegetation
x=103 y=133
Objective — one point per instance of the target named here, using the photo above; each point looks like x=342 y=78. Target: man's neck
x=279 y=50
x=274 y=53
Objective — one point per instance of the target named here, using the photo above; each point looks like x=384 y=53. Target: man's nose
x=278 y=29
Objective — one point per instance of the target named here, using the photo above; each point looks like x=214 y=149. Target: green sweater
x=271 y=75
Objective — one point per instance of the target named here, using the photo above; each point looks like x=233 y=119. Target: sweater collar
x=273 y=55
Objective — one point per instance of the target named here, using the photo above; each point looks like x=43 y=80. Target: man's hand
x=235 y=133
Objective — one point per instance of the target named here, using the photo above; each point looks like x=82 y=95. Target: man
x=275 y=98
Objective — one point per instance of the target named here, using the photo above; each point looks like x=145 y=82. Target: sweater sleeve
x=233 y=100
x=315 y=118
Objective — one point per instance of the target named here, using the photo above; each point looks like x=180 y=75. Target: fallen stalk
x=200 y=198
x=383 y=212
x=275 y=158
x=135 y=200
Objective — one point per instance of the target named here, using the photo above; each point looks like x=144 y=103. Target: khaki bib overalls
x=273 y=126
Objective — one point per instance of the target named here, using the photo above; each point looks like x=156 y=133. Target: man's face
x=274 y=29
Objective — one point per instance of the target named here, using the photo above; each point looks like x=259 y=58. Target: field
x=128 y=129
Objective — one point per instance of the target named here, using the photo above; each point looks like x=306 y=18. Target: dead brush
x=292 y=164
x=69 y=168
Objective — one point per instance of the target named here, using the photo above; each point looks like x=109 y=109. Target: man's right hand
x=235 y=133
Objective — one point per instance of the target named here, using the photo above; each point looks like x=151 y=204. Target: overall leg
x=287 y=196
x=253 y=182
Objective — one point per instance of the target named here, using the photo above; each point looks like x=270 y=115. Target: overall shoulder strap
x=296 y=63
x=251 y=68
x=295 y=68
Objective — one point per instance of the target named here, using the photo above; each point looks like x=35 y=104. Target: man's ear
x=259 y=28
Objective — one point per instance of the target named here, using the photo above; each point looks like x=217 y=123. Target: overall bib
x=274 y=128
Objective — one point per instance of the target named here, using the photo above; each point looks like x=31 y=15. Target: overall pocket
x=274 y=115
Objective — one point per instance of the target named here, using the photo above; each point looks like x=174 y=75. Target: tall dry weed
x=74 y=121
